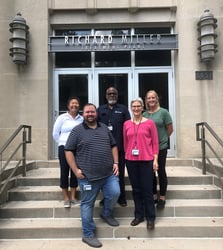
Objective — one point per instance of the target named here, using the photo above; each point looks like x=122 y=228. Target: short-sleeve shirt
x=92 y=149
x=161 y=118
x=116 y=116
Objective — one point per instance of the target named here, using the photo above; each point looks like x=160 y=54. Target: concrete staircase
x=194 y=208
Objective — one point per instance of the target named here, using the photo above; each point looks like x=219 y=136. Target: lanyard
x=136 y=129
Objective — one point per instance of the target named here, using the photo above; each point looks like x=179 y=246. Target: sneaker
x=160 y=204
x=110 y=220
x=66 y=204
x=75 y=202
x=92 y=241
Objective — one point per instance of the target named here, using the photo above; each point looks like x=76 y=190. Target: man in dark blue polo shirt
x=92 y=154
x=114 y=115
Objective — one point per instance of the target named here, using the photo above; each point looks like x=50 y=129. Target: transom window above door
x=114 y=31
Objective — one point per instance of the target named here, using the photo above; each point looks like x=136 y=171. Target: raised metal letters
x=113 y=42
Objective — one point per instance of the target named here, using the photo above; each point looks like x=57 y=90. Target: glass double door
x=90 y=86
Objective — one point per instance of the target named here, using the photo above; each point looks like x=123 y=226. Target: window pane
x=72 y=85
x=113 y=59
x=72 y=32
x=155 y=30
x=73 y=60
x=157 y=82
x=113 y=32
x=153 y=58
x=119 y=81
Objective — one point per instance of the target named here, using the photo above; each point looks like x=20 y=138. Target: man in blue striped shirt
x=92 y=154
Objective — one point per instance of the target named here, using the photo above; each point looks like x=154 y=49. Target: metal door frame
x=58 y=72
x=99 y=71
x=171 y=96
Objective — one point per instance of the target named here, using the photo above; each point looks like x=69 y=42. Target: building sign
x=204 y=75
x=112 y=42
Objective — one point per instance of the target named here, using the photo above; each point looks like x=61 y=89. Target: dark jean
x=163 y=181
x=141 y=178
x=89 y=191
x=65 y=171
x=121 y=166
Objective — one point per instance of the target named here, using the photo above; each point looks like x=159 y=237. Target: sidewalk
x=120 y=244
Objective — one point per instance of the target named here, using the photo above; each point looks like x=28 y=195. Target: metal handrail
x=200 y=136
x=26 y=138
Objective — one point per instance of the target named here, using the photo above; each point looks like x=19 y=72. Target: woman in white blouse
x=61 y=130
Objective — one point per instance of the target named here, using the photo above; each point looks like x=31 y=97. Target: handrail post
x=21 y=164
x=24 y=152
x=1 y=176
x=203 y=150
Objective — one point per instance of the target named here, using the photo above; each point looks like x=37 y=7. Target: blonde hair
x=137 y=99
x=157 y=97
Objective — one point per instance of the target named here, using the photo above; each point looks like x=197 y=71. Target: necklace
x=137 y=121
x=136 y=129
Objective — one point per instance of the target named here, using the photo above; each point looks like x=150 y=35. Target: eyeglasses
x=111 y=93
x=137 y=106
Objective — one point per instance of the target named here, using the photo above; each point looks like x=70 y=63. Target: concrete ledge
x=107 y=4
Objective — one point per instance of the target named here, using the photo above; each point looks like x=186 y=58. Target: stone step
x=176 y=176
x=194 y=208
x=71 y=228
x=25 y=193
x=169 y=162
x=119 y=244
x=54 y=209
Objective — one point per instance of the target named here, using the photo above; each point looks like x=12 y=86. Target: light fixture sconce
x=19 y=30
x=206 y=28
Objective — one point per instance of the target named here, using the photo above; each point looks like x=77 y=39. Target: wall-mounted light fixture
x=19 y=30
x=206 y=28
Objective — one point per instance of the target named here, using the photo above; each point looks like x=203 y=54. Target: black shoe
x=92 y=241
x=160 y=204
x=155 y=201
x=110 y=220
x=101 y=203
x=150 y=225
x=122 y=203
x=136 y=221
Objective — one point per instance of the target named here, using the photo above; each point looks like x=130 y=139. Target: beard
x=90 y=120
x=112 y=102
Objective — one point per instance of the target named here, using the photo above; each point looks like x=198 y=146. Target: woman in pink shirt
x=141 y=147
